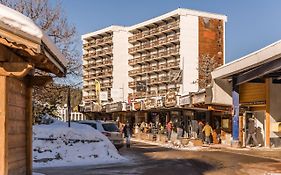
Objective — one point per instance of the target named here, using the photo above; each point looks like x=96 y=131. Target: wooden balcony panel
x=154 y=43
x=154 y=31
x=162 y=41
x=146 y=46
x=132 y=49
x=163 y=53
x=153 y=80
x=138 y=36
x=162 y=66
x=145 y=34
x=137 y=48
x=173 y=64
x=106 y=62
x=153 y=56
x=131 y=61
x=154 y=68
x=99 y=41
x=107 y=51
x=131 y=38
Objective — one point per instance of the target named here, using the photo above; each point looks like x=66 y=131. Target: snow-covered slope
x=58 y=145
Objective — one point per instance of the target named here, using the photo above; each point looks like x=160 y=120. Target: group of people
x=196 y=129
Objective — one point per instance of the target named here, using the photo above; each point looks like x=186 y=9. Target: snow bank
x=37 y=173
x=58 y=145
x=189 y=147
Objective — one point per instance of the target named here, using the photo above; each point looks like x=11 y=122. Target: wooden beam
x=29 y=118
x=6 y=54
x=267 y=114
x=3 y=127
x=15 y=69
x=260 y=71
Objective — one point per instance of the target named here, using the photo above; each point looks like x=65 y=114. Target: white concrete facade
x=181 y=42
x=189 y=45
x=120 y=65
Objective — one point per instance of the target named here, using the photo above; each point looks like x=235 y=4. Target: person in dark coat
x=127 y=134
x=252 y=132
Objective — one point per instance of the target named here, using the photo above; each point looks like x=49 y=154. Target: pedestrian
x=200 y=129
x=252 y=132
x=208 y=131
x=127 y=134
x=194 y=128
x=169 y=127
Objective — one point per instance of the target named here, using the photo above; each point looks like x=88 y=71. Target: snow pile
x=58 y=145
x=173 y=145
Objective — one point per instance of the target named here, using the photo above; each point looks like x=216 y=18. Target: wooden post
x=267 y=114
x=29 y=118
x=3 y=127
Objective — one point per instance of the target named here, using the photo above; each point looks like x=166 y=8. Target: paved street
x=150 y=159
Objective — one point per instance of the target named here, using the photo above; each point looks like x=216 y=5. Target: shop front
x=255 y=89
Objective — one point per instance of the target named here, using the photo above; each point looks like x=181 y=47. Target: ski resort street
x=151 y=159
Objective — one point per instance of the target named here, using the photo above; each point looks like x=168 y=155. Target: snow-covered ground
x=58 y=145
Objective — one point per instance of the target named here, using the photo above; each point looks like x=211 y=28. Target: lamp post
x=68 y=106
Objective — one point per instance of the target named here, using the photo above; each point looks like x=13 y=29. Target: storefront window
x=225 y=123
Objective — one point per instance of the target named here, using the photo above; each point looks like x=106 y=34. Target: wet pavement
x=155 y=160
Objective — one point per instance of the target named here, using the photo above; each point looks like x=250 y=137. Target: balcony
x=162 y=66
x=154 y=44
x=98 y=42
x=174 y=64
x=153 y=81
x=106 y=85
x=132 y=84
x=162 y=92
x=88 y=97
x=164 y=79
x=135 y=72
x=154 y=31
x=151 y=93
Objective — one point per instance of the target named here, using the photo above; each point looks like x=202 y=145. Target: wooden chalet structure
x=23 y=48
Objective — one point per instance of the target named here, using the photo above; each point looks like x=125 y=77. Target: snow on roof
x=18 y=22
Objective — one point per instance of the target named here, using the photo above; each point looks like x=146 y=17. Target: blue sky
x=251 y=25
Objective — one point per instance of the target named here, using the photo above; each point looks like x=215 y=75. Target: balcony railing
x=154 y=31
x=152 y=93
x=103 y=52
x=154 y=44
x=106 y=85
x=98 y=42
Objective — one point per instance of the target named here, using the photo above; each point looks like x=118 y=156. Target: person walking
x=169 y=130
x=252 y=132
x=127 y=134
x=200 y=129
x=208 y=130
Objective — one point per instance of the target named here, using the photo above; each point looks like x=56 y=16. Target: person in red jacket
x=169 y=127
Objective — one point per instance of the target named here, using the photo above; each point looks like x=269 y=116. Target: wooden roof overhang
x=34 y=52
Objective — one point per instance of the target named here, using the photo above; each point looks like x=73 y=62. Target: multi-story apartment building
x=154 y=57
x=105 y=60
x=167 y=51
